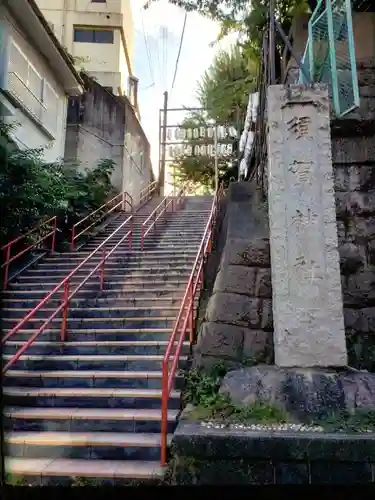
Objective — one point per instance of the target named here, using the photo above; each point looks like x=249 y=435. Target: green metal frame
x=334 y=26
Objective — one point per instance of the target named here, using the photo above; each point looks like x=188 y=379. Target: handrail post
x=64 y=321
x=142 y=236
x=191 y=312
x=73 y=238
x=102 y=267
x=131 y=234
x=6 y=270
x=53 y=242
x=201 y=276
x=123 y=201
x=164 y=412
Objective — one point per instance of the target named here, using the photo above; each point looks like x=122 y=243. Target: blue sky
x=196 y=56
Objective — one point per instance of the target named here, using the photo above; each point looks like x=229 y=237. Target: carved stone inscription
x=307 y=303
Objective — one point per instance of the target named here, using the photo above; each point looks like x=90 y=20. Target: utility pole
x=163 y=142
x=238 y=140
x=272 y=43
x=216 y=159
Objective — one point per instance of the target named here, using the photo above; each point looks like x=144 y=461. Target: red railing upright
x=184 y=321
x=50 y=225
x=170 y=200
x=147 y=192
x=120 y=201
x=64 y=286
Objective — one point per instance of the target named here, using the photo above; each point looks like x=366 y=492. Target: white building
x=99 y=34
x=36 y=78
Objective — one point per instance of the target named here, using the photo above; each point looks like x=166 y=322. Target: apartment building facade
x=36 y=79
x=99 y=35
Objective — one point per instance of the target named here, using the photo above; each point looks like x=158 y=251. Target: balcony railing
x=30 y=102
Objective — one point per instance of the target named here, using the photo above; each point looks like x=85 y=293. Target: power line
x=147 y=49
x=179 y=51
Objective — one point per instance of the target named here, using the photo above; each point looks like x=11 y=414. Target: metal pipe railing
x=67 y=295
x=185 y=320
x=169 y=201
x=121 y=200
x=147 y=192
x=7 y=249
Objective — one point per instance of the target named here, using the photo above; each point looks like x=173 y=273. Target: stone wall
x=238 y=323
x=354 y=168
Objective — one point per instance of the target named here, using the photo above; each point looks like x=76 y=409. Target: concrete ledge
x=193 y=439
x=208 y=456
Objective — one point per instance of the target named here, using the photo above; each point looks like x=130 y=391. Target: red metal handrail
x=174 y=202
x=147 y=192
x=8 y=247
x=183 y=321
x=120 y=200
x=64 y=306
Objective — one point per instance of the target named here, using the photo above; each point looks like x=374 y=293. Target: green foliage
x=78 y=481
x=202 y=388
x=247 y=18
x=223 y=92
x=32 y=190
x=199 y=171
x=12 y=480
x=362 y=420
x=225 y=86
x=202 y=391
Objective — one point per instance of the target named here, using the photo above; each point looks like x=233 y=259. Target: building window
x=93 y=36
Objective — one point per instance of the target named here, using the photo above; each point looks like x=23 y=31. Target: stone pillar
x=307 y=303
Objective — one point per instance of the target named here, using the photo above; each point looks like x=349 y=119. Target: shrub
x=32 y=190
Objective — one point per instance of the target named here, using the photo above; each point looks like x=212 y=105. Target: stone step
x=125 y=302
x=128 y=259
x=108 y=285
x=113 y=293
x=114 y=272
x=120 y=347
x=108 y=334
x=86 y=419
x=151 y=238
x=145 y=253
x=88 y=397
x=84 y=445
x=119 y=264
x=94 y=312
x=87 y=378
x=176 y=244
x=166 y=228
x=108 y=362
x=43 y=468
x=114 y=323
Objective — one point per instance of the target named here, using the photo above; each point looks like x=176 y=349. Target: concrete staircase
x=90 y=407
